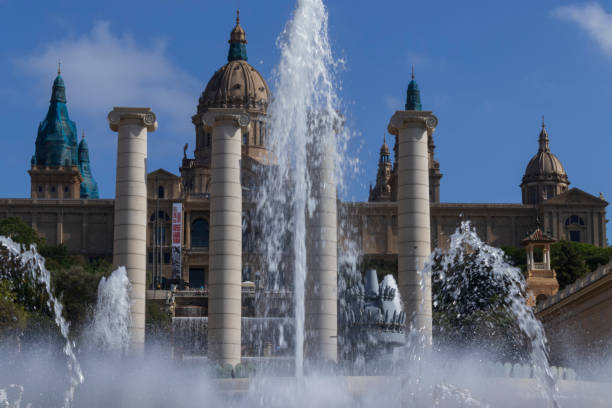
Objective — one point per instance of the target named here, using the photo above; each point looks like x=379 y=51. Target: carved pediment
x=161 y=174
x=575 y=196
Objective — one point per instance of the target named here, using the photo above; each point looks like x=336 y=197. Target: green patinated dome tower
x=60 y=167
x=89 y=187
x=56 y=142
x=413 y=95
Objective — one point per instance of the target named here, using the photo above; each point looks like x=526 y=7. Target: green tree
x=13 y=316
x=571 y=260
x=20 y=232
x=516 y=257
x=74 y=280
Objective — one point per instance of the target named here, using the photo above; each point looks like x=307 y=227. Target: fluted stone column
x=225 y=278
x=414 y=247
x=321 y=290
x=130 y=233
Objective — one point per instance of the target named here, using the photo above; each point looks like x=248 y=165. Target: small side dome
x=545 y=166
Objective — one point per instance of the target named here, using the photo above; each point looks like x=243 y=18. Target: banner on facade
x=177 y=232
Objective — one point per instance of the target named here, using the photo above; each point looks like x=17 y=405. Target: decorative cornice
x=406 y=119
x=143 y=116
x=239 y=117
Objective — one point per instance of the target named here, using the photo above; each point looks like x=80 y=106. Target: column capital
x=124 y=115
x=239 y=117
x=405 y=119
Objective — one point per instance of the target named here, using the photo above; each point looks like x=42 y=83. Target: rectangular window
x=532 y=195
x=166 y=257
x=575 y=236
x=196 y=278
x=150 y=257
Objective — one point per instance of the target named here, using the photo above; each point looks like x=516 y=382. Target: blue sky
x=489 y=71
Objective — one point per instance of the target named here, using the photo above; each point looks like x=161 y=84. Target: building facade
x=64 y=205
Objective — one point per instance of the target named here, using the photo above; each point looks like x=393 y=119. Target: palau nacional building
x=64 y=204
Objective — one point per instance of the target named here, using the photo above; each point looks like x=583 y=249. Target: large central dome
x=236 y=84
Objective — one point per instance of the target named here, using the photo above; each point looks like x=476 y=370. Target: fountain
x=34 y=265
x=388 y=325
x=110 y=327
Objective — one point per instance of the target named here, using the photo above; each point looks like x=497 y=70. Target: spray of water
x=304 y=122
x=35 y=265
x=110 y=327
x=487 y=276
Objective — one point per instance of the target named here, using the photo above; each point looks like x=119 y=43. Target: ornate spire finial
x=543 y=123
x=59 y=67
x=237 y=42
x=83 y=134
x=385 y=138
x=413 y=95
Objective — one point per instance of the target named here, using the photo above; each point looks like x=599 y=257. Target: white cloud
x=102 y=69
x=592 y=18
x=393 y=103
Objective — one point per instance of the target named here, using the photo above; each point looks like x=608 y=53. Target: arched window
x=161 y=215
x=159 y=234
x=199 y=233
x=160 y=222
x=574 y=220
x=541 y=298
x=160 y=192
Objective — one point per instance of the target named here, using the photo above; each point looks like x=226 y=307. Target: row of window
x=245 y=136
x=40 y=189
x=199 y=231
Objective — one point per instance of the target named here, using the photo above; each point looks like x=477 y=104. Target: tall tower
x=54 y=171
x=382 y=189
x=89 y=186
x=413 y=127
x=545 y=176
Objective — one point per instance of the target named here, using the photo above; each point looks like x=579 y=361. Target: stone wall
x=577 y=323
x=375 y=224
x=84 y=226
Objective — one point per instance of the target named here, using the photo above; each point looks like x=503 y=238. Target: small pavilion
x=541 y=278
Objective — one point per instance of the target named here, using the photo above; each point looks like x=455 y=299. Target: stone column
x=414 y=247
x=225 y=276
x=130 y=233
x=321 y=287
